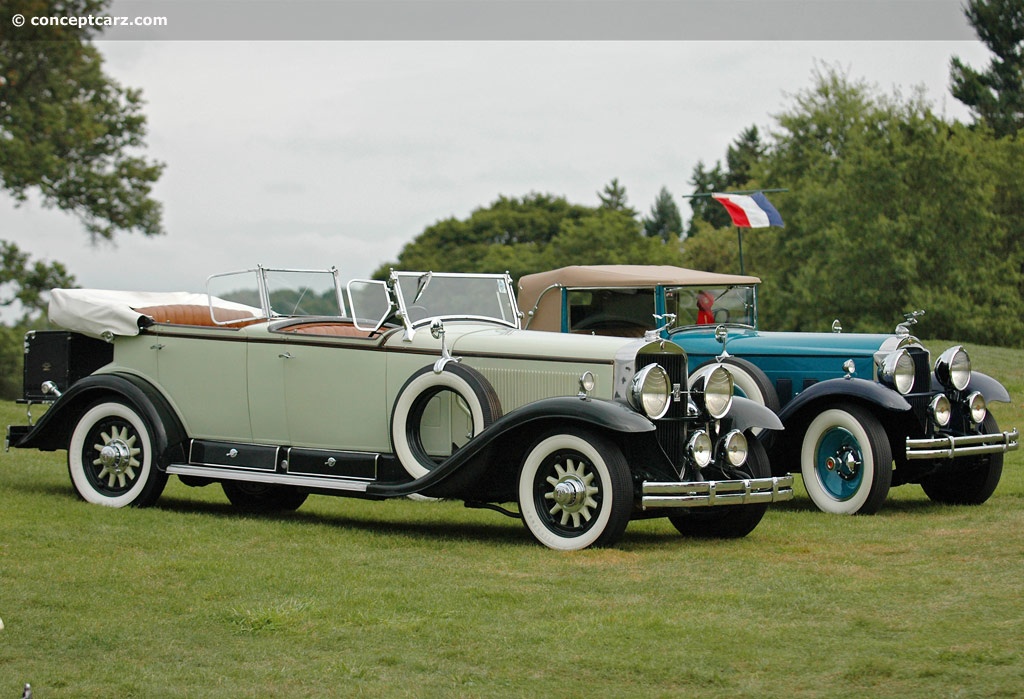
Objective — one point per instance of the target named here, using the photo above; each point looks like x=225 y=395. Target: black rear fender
x=53 y=431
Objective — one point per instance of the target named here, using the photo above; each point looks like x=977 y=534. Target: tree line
x=888 y=208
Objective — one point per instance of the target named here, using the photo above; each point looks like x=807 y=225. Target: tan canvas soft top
x=546 y=309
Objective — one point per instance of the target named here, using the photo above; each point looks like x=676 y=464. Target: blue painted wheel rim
x=838 y=463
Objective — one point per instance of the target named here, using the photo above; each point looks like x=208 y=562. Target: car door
x=203 y=371
x=334 y=395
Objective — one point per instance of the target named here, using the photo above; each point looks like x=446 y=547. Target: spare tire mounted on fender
x=406 y=418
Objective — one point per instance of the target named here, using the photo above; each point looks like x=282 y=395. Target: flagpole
x=739 y=231
x=738 y=191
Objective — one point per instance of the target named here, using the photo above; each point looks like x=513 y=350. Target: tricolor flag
x=754 y=211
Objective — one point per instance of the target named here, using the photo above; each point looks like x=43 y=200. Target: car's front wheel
x=733 y=521
x=112 y=457
x=263 y=497
x=973 y=480
x=846 y=461
x=575 y=490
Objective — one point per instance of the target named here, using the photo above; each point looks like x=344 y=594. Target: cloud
x=310 y=154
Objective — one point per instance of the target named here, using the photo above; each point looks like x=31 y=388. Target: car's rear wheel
x=467 y=386
x=972 y=481
x=575 y=490
x=112 y=457
x=846 y=461
x=263 y=497
x=732 y=521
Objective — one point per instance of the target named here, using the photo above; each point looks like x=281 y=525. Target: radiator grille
x=919 y=405
x=675 y=365
x=671 y=429
x=922 y=369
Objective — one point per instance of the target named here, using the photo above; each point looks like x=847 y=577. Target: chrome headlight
x=699 y=448
x=898 y=371
x=735 y=446
x=718 y=392
x=976 y=404
x=651 y=391
x=953 y=368
x=939 y=409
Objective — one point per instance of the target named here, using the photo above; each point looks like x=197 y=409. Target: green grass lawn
x=429 y=599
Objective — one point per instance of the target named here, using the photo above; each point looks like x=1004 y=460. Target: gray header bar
x=537 y=20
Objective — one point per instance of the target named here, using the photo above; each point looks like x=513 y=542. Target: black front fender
x=746 y=414
x=604 y=415
x=862 y=389
x=993 y=391
x=53 y=431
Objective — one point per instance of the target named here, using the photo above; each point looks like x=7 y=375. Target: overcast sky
x=311 y=154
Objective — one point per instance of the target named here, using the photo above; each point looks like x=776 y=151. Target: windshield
x=303 y=293
x=712 y=305
x=456 y=296
x=279 y=292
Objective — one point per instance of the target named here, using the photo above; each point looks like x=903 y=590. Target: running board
x=255 y=476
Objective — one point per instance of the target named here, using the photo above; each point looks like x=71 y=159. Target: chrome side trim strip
x=957 y=446
x=716 y=493
x=226 y=474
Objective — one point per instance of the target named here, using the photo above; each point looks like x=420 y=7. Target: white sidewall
x=75 y=449
x=534 y=521
x=403 y=405
x=815 y=490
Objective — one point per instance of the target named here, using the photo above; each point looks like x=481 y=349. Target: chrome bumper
x=716 y=493
x=954 y=447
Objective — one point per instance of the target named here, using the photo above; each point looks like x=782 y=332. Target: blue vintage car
x=862 y=412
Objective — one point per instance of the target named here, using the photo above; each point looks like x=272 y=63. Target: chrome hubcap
x=572 y=493
x=569 y=493
x=844 y=464
x=114 y=456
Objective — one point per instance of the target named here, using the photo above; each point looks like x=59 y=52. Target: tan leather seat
x=333 y=329
x=188 y=314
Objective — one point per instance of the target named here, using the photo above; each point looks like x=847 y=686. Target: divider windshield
x=279 y=292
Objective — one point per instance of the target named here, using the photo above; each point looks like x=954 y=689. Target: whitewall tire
x=846 y=461
x=575 y=491
x=112 y=457
x=466 y=383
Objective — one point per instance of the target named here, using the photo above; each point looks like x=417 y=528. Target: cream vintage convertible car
x=281 y=383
